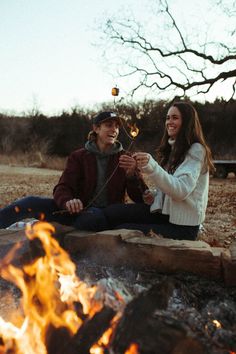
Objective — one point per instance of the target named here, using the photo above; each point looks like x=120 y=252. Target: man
x=95 y=176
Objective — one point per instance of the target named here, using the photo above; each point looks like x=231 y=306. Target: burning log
x=153 y=332
x=58 y=340
x=91 y=330
x=50 y=290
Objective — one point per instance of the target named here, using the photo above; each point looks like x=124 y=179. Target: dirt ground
x=220 y=222
x=219 y=228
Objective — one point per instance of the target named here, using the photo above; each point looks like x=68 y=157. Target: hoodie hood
x=91 y=146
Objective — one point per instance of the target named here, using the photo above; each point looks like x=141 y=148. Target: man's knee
x=92 y=219
x=27 y=201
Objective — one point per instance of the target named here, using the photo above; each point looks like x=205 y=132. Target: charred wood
x=58 y=340
x=90 y=331
x=143 y=324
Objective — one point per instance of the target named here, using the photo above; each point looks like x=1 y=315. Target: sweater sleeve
x=66 y=188
x=179 y=185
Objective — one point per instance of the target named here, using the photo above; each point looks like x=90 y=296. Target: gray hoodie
x=102 y=162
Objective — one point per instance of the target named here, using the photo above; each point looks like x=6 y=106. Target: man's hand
x=74 y=206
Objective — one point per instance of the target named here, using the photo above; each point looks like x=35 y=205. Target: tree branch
x=162 y=65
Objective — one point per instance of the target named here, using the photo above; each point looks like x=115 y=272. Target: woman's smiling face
x=173 y=122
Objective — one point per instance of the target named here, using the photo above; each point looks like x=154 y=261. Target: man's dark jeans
x=46 y=209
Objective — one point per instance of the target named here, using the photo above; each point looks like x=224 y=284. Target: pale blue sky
x=47 y=56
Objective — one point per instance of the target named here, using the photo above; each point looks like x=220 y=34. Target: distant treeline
x=59 y=135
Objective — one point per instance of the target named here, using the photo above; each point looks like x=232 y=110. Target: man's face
x=108 y=131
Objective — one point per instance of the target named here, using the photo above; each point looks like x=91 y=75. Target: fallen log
x=228 y=260
x=133 y=249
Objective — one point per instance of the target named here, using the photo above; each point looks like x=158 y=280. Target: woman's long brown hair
x=190 y=132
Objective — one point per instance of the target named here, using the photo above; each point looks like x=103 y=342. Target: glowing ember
x=217 y=323
x=17 y=209
x=49 y=287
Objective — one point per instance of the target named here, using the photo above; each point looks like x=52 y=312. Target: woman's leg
x=117 y=214
x=167 y=230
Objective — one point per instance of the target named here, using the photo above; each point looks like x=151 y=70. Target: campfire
x=73 y=307
x=55 y=303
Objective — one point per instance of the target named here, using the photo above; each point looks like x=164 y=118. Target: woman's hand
x=128 y=163
x=148 y=196
x=142 y=159
x=74 y=206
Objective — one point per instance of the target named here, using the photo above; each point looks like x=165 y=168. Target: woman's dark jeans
x=138 y=217
x=46 y=209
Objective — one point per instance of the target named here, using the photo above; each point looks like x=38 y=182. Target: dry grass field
x=219 y=226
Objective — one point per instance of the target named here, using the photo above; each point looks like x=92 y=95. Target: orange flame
x=133 y=349
x=134 y=130
x=50 y=287
x=103 y=342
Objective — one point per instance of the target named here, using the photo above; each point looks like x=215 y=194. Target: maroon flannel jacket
x=79 y=178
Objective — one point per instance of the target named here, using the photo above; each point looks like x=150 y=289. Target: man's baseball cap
x=105 y=116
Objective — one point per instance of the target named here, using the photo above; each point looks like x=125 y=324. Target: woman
x=92 y=180
x=180 y=177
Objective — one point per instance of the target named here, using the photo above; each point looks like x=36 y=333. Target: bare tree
x=171 y=55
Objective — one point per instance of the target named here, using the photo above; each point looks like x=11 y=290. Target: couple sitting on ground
x=90 y=194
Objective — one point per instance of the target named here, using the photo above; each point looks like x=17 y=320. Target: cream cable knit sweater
x=185 y=193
